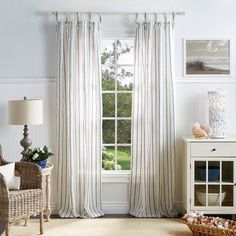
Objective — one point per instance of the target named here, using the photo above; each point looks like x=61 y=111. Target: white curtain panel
x=152 y=186
x=79 y=118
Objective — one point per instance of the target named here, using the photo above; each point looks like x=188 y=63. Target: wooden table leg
x=7 y=229
x=47 y=211
x=46 y=172
x=26 y=220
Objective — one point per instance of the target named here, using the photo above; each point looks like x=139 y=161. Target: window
x=117 y=83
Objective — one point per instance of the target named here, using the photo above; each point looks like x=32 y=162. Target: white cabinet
x=209 y=175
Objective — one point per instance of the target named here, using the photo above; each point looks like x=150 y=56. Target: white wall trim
x=206 y=81
x=40 y=80
x=27 y=80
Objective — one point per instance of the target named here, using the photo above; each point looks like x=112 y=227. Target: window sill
x=115 y=176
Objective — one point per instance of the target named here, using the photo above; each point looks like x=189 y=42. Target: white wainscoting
x=115 y=192
x=10 y=135
x=191 y=106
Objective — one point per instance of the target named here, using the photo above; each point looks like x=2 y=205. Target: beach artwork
x=207 y=57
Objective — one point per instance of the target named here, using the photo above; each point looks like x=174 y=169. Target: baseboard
x=107 y=207
x=54 y=208
x=117 y=207
x=27 y=80
x=179 y=207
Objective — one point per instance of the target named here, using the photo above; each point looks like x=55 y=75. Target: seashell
x=226 y=225
x=190 y=220
x=201 y=130
x=192 y=214
x=201 y=213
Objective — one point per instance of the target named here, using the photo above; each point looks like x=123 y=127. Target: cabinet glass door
x=227 y=183
x=213 y=182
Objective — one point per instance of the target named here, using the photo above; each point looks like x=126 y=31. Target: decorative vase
x=42 y=164
x=217 y=113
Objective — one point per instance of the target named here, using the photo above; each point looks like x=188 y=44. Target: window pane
x=200 y=195
x=108 y=158
x=123 y=158
x=200 y=171
x=108 y=129
x=108 y=78
x=227 y=195
x=213 y=171
x=228 y=171
x=108 y=100
x=125 y=52
x=125 y=78
x=124 y=104
x=108 y=52
x=124 y=131
x=214 y=195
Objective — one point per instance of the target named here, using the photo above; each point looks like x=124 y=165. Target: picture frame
x=207 y=57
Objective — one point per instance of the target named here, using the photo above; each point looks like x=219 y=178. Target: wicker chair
x=21 y=204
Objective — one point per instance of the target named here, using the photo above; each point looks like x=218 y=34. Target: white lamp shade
x=25 y=112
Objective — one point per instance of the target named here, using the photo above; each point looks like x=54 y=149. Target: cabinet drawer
x=213 y=149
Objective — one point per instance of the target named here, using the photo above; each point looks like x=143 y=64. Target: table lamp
x=25 y=112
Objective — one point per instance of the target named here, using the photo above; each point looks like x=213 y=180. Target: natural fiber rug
x=104 y=227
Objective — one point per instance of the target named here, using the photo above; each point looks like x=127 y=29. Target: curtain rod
x=113 y=13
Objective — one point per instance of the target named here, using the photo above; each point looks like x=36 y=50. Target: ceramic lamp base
x=25 y=142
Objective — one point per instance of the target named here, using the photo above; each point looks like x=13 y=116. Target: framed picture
x=207 y=57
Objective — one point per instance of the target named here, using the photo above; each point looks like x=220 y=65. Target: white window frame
x=116 y=92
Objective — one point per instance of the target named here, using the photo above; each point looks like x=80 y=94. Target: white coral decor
x=217 y=113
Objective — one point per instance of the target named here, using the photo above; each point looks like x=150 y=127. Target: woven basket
x=203 y=230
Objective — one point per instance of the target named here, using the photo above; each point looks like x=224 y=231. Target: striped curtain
x=79 y=118
x=153 y=124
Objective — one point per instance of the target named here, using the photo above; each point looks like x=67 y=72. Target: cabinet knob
x=213 y=149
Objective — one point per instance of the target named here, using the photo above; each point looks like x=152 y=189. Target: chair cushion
x=8 y=171
x=25 y=202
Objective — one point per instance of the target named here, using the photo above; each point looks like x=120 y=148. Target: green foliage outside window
x=116 y=77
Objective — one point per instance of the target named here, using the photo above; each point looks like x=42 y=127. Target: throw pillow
x=8 y=172
x=14 y=183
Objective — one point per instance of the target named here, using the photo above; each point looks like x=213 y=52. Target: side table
x=47 y=173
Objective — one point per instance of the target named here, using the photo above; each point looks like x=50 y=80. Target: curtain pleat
x=153 y=119
x=79 y=118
